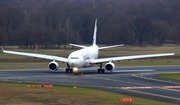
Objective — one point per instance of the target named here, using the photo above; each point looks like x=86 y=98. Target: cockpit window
x=74 y=58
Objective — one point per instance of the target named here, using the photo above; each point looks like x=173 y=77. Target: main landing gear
x=100 y=70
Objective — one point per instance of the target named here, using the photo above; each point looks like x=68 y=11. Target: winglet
x=2 y=48
x=176 y=51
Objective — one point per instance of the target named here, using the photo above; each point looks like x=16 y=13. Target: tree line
x=55 y=23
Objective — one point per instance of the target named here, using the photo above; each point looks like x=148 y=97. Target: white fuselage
x=81 y=58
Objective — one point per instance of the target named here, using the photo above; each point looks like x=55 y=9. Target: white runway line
x=133 y=70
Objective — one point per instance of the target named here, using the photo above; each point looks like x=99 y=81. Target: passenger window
x=74 y=58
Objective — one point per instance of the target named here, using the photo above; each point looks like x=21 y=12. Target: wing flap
x=43 y=56
x=130 y=57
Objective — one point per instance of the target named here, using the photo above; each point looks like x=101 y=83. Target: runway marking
x=109 y=79
x=155 y=79
x=159 y=81
x=152 y=87
x=12 y=77
x=169 y=97
x=133 y=70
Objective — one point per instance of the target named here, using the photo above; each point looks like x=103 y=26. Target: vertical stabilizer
x=95 y=32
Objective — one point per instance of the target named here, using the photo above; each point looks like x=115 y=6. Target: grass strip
x=19 y=94
x=175 y=76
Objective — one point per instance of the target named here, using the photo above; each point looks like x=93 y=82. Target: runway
x=134 y=81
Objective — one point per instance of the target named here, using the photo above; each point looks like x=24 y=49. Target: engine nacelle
x=110 y=66
x=53 y=66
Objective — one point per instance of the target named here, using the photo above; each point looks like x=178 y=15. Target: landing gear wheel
x=71 y=71
x=68 y=70
x=101 y=71
x=75 y=73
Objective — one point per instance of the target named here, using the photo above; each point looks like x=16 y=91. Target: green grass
x=23 y=65
x=175 y=76
x=12 y=93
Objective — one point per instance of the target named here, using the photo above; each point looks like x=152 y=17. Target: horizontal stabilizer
x=111 y=46
x=77 y=45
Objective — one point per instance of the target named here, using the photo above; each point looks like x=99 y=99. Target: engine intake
x=109 y=66
x=53 y=66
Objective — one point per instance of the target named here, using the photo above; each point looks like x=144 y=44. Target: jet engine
x=53 y=66
x=110 y=66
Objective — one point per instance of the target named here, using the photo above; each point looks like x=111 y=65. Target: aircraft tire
x=75 y=73
x=101 y=71
x=71 y=71
x=68 y=70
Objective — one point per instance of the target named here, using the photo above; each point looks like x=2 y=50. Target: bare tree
x=1 y=36
x=141 y=26
x=160 y=32
x=58 y=22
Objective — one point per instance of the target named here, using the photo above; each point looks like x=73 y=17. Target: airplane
x=87 y=56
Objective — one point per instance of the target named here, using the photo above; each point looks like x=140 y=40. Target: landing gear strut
x=68 y=70
x=100 y=70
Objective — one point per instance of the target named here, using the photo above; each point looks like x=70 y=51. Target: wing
x=129 y=57
x=77 y=45
x=111 y=46
x=43 y=56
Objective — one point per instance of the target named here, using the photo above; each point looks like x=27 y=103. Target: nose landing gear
x=74 y=70
x=68 y=70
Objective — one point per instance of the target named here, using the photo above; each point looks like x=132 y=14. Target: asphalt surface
x=134 y=81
